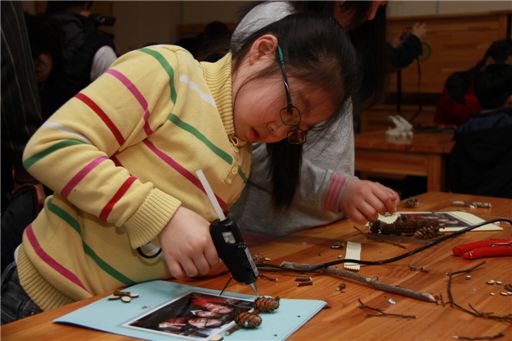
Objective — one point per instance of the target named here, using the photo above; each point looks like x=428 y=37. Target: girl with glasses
x=122 y=154
x=317 y=185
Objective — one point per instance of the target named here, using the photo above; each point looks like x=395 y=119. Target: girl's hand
x=187 y=246
x=363 y=200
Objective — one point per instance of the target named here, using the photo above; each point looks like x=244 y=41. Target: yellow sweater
x=121 y=157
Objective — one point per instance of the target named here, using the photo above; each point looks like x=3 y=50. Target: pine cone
x=266 y=304
x=427 y=232
x=411 y=203
x=246 y=319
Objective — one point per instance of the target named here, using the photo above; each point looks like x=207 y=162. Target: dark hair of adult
x=493 y=86
x=318 y=52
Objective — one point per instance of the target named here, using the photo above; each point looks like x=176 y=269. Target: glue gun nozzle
x=253 y=287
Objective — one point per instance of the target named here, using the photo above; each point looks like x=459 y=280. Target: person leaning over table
x=328 y=189
x=121 y=156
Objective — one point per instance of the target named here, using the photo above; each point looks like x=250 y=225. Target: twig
x=381 y=312
x=372 y=282
x=273 y=279
x=415 y=268
x=491 y=337
x=378 y=238
x=505 y=318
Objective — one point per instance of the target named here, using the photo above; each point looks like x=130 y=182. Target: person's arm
x=327 y=181
x=72 y=152
x=102 y=60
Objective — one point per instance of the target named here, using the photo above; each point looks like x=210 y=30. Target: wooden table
x=422 y=155
x=344 y=320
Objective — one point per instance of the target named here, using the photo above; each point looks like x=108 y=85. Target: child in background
x=121 y=158
x=481 y=159
x=458 y=99
x=327 y=189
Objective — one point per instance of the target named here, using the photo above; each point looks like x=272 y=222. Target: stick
x=490 y=316
x=381 y=312
x=490 y=337
x=372 y=282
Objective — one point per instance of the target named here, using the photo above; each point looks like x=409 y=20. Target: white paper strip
x=353 y=252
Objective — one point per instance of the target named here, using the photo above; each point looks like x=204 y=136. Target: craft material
x=407 y=226
x=304 y=283
x=246 y=320
x=123 y=296
x=411 y=203
x=337 y=245
x=229 y=242
x=303 y=279
x=471 y=204
x=353 y=252
x=266 y=304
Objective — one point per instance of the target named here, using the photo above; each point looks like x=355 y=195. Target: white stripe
x=60 y=127
x=193 y=86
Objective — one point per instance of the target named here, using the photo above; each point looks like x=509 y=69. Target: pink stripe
x=137 y=94
x=189 y=176
x=329 y=190
x=332 y=197
x=80 y=175
x=50 y=261
x=334 y=206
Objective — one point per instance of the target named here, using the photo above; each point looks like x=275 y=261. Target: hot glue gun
x=229 y=242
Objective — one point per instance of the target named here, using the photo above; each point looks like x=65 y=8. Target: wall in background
x=142 y=22
x=410 y=8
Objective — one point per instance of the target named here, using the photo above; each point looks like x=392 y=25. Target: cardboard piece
x=117 y=317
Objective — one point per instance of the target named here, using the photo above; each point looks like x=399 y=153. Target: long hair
x=318 y=52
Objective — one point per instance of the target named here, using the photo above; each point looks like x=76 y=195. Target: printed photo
x=195 y=316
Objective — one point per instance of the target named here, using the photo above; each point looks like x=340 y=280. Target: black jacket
x=481 y=160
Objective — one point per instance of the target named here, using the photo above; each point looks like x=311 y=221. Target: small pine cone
x=427 y=232
x=411 y=203
x=258 y=259
x=246 y=319
x=266 y=304
x=375 y=226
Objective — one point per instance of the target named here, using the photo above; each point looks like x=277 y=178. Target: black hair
x=494 y=85
x=368 y=38
x=499 y=51
x=318 y=52
x=45 y=36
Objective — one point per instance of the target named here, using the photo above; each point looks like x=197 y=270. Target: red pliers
x=484 y=248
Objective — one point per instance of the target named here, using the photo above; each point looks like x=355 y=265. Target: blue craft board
x=109 y=316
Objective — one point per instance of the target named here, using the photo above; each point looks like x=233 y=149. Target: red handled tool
x=484 y=248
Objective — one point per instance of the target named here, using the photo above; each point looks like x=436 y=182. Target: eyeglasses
x=290 y=115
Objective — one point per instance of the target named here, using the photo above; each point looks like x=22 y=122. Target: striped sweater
x=121 y=157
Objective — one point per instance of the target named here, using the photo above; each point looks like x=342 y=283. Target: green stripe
x=185 y=126
x=242 y=174
x=167 y=67
x=68 y=218
x=63 y=144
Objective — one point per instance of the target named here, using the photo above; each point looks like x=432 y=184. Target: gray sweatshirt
x=328 y=162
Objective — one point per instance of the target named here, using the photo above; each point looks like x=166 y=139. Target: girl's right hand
x=187 y=246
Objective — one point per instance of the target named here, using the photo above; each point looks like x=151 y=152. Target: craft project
x=170 y=311
x=446 y=221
